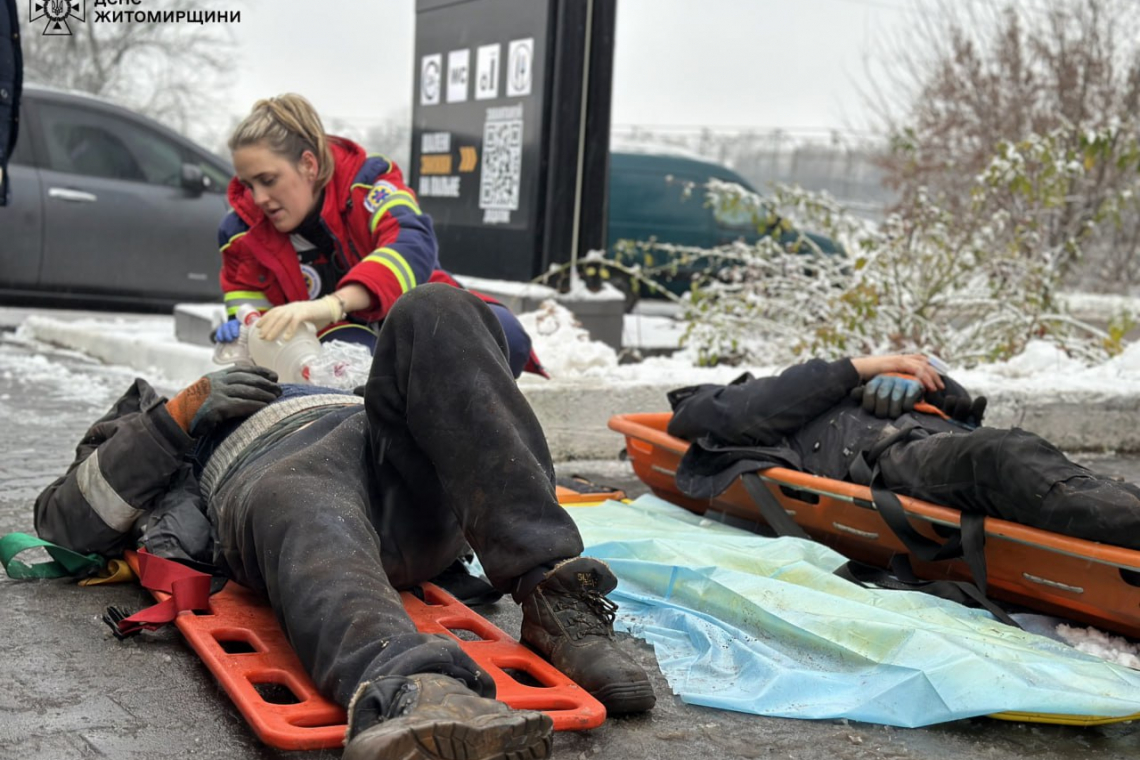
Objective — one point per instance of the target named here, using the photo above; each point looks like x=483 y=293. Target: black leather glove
x=962 y=409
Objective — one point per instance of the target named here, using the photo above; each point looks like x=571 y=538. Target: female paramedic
x=321 y=232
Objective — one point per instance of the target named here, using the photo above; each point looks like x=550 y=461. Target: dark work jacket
x=11 y=82
x=134 y=482
x=131 y=479
x=804 y=419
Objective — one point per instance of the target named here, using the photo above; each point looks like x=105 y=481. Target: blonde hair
x=288 y=125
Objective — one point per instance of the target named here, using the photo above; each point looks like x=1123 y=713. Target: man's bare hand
x=907 y=364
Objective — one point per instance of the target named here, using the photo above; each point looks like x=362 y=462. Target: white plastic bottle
x=237 y=350
x=289 y=359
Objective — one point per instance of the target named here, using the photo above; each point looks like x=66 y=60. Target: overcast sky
x=792 y=64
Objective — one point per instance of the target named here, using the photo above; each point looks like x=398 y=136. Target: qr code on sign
x=502 y=165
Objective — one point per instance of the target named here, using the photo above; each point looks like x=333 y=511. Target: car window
x=98 y=145
x=651 y=196
x=218 y=180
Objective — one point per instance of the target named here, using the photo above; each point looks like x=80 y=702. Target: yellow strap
x=115 y=571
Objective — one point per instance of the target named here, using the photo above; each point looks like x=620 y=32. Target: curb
x=574 y=414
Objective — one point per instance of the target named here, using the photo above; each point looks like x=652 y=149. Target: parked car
x=108 y=208
x=646 y=202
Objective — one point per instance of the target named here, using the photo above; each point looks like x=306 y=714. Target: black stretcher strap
x=967 y=543
x=771 y=509
x=901 y=577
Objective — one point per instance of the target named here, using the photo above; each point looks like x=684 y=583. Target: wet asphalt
x=70 y=690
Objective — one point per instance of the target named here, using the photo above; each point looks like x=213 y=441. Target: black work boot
x=434 y=717
x=568 y=620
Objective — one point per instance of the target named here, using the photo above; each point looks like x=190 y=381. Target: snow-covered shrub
x=969 y=285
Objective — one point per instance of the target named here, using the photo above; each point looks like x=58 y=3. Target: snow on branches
x=969 y=285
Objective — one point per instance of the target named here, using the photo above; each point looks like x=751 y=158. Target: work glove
x=283 y=321
x=222 y=395
x=228 y=332
x=890 y=395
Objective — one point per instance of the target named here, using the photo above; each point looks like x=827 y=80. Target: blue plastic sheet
x=760 y=625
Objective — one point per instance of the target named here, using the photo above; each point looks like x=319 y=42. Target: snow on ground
x=155 y=330
x=1100 y=644
x=507 y=288
x=568 y=354
x=1042 y=367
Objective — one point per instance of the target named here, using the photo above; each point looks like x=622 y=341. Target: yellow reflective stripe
x=397 y=264
x=235 y=299
x=395 y=270
x=397 y=199
x=247 y=295
x=231 y=241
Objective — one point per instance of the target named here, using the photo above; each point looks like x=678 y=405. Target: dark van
x=646 y=201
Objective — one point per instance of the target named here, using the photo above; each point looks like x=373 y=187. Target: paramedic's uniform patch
x=312 y=280
x=380 y=192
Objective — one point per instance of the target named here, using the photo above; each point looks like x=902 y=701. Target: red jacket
x=378 y=227
x=374 y=218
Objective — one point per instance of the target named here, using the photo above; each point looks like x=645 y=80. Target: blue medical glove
x=891 y=395
x=228 y=332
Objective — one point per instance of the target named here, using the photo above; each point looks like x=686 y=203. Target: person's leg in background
x=1018 y=476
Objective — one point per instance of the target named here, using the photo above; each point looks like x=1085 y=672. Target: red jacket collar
x=348 y=157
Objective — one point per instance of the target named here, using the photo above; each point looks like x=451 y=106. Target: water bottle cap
x=247 y=314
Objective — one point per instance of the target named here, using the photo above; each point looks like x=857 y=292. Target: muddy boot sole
x=624 y=698
x=508 y=736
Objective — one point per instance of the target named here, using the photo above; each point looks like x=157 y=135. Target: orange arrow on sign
x=468 y=157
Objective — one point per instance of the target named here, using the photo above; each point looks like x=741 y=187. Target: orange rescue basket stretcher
x=1056 y=574
x=243 y=646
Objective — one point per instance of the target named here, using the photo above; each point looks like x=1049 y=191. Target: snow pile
x=1042 y=367
x=566 y=351
x=563 y=346
x=506 y=287
x=1100 y=644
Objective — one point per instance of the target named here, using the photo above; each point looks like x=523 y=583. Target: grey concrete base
x=574 y=416
x=600 y=314
x=1071 y=421
x=195 y=323
x=603 y=318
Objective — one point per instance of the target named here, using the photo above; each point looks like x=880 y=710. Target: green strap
x=66 y=562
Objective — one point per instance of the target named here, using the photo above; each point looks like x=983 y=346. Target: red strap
x=535 y=366
x=188 y=589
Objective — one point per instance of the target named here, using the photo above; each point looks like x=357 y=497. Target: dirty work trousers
x=332 y=519
x=1018 y=476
